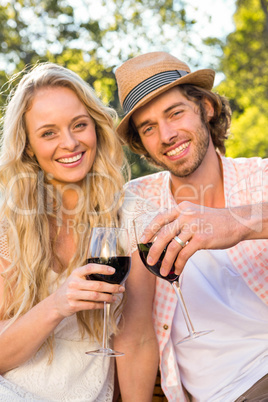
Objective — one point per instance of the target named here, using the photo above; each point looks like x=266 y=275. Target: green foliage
x=249 y=134
x=87 y=39
x=93 y=40
x=245 y=65
x=138 y=164
x=78 y=37
x=37 y=31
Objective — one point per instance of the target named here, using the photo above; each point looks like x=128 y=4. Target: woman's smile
x=71 y=159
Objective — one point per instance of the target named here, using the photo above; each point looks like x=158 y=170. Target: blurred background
x=93 y=37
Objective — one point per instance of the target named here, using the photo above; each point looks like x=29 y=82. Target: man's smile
x=179 y=149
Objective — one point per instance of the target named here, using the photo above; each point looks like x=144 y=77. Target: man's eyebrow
x=142 y=124
x=174 y=105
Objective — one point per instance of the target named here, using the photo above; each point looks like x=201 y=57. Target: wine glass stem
x=185 y=313
x=106 y=315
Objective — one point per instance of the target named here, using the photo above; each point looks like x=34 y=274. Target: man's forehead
x=163 y=102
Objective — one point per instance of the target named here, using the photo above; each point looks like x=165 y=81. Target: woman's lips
x=71 y=159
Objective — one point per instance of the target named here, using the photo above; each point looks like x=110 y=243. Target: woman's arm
x=21 y=340
x=138 y=368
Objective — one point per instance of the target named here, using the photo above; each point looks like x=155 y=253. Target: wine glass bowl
x=108 y=246
x=155 y=269
x=121 y=265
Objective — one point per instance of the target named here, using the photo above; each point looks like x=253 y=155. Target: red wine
x=155 y=269
x=121 y=265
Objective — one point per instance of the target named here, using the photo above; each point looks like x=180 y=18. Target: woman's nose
x=68 y=140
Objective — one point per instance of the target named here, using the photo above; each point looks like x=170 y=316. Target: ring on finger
x=181 y=242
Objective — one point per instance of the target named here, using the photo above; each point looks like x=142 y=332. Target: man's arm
x=138 y=368
x=201 y=227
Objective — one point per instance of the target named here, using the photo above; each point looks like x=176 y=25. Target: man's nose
x=167 y=133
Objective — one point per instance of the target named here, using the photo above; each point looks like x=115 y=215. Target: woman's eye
x=80 y=125
x=47 y=134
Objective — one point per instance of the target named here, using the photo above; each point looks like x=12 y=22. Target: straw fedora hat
x=144 y=77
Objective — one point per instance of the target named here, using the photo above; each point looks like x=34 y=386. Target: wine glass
x=140 y=223
x=109 y=246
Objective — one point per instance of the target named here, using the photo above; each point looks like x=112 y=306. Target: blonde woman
x=60 y=174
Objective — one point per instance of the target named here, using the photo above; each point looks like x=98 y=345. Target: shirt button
x=165 y=327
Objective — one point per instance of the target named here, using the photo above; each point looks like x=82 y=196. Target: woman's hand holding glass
x=77 y=293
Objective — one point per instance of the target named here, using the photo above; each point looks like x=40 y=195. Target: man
x=215 y=231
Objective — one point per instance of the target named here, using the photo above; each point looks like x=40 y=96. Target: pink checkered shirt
x=245 y=182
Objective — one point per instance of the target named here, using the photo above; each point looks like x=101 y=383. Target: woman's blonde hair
x=29 y=203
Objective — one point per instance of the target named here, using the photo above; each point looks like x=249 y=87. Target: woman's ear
x=209 y=109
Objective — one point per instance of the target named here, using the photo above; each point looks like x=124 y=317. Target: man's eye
x=177 y=112
x=148 y=130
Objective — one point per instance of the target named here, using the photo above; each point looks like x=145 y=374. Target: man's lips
x=178 y=150
x=71 y=159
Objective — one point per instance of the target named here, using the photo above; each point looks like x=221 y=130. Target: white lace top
x=72 y=375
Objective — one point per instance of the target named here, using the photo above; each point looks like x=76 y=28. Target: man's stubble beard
x=200 y=153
